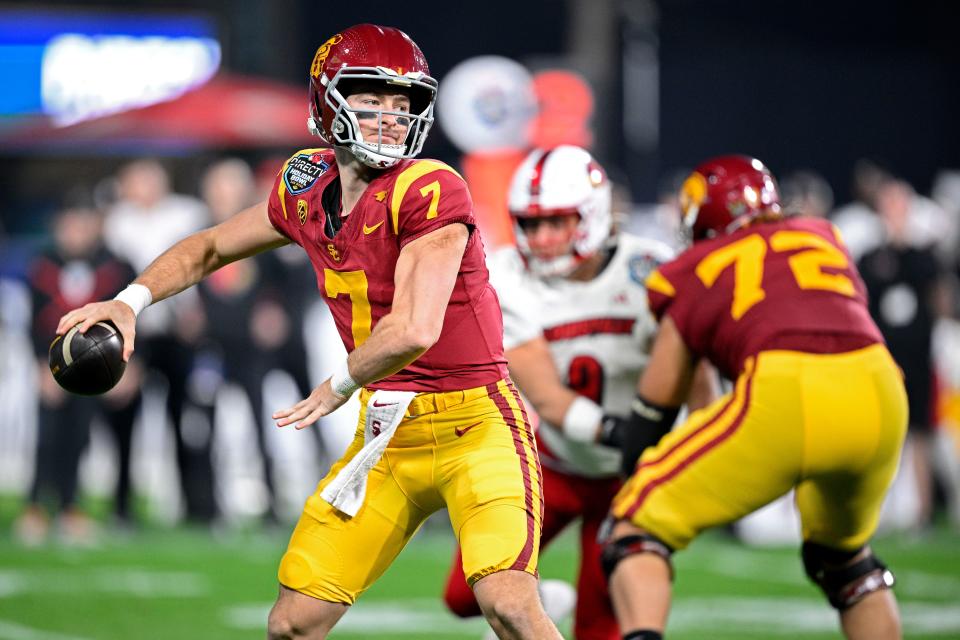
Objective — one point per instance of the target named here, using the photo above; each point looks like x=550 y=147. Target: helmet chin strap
x=376 y=160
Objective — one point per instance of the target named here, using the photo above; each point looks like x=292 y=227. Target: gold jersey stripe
x=656 y=282
x=408 y=177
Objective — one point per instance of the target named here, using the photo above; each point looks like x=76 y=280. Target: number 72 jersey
x=788 y=285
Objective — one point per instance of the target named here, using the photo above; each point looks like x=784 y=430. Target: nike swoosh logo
x=377 y=403
x=462 y=430
x=368 y=230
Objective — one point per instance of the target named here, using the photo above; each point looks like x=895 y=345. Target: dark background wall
x=812 y=84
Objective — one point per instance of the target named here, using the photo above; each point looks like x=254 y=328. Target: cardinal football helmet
x=564 y=180
x=726 y=193
x=368 y=52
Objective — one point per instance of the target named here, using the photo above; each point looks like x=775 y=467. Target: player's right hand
x=322 y=401
x=119 y=313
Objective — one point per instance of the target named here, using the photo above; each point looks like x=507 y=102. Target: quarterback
x=577 y=332
x=818 y=404
x=399 y=261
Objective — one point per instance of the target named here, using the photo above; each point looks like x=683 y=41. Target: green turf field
x=190 y=584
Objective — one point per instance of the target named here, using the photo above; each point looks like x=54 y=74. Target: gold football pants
x=831 y=426
x=472 y=452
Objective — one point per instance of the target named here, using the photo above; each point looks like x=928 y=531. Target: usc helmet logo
x=693 y=193
x=321 y=55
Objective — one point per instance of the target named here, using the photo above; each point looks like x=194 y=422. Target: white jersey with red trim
x=599 y=333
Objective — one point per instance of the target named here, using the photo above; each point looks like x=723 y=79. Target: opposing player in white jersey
x=576 y=333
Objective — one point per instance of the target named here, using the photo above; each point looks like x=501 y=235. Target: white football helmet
x=562 y=181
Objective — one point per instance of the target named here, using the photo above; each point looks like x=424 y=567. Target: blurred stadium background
x=839 y=98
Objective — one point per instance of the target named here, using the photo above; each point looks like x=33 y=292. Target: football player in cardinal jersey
x=400 y=262
x=577 y=332
x=818 y=404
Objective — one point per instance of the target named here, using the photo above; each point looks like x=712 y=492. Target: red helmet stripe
x=537 y=176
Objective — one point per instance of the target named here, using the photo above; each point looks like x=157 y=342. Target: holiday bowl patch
x=303 y=171
x=641 y=266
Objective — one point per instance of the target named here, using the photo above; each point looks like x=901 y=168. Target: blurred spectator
x=858 y=222
x=806 y=193
x=146 y=219
x=661 y=221
x=946 y=193
x=903 y=282
x=76 y=270
x=254 y=310
x=928 y=224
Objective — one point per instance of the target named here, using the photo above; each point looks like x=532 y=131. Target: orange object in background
x=565 y=102
x=488 y=175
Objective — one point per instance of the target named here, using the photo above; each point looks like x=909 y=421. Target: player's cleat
x=88 y=363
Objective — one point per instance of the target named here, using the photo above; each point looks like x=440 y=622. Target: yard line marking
x=922 y=584
x=914 y=583
x=774 y=617
x=416 y=617
x=135 y=583
x=13 y=631
x=787 y=616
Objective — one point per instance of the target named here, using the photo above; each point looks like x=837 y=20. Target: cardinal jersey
x=785 y=285
x=599 y=332
x=355 y=262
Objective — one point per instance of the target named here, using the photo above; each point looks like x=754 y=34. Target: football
x=88 y=363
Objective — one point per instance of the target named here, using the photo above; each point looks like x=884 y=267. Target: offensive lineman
x=400 y=263
x=819 y=405
x=577 y=333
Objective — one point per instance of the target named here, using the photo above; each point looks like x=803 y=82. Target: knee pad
x=616 y=550
x=844 y=585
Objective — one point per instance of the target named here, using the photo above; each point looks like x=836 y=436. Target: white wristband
x=582 y=420
x=342 y=383
x=135 y=296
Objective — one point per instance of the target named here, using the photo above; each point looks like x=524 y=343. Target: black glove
x=611 y=431
x=644 y=428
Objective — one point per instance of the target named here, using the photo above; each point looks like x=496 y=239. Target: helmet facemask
x=343 y=120
x=591 y=234
x=565 y=180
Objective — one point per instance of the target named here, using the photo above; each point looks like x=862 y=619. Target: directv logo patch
x=302 y=173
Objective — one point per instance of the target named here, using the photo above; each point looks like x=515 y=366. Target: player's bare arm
x=182 y=266
x=705 y=387
x=664 y=386
x=426 y=273
x=668 y=377
x=532 y=368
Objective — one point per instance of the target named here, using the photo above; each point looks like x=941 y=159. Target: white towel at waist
x=385 y=411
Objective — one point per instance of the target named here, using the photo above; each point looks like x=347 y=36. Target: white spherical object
x=486 y=103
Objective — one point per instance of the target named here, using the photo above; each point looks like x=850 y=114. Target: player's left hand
x=322 y=401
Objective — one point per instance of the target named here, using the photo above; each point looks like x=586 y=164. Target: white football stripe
x=67 y=356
